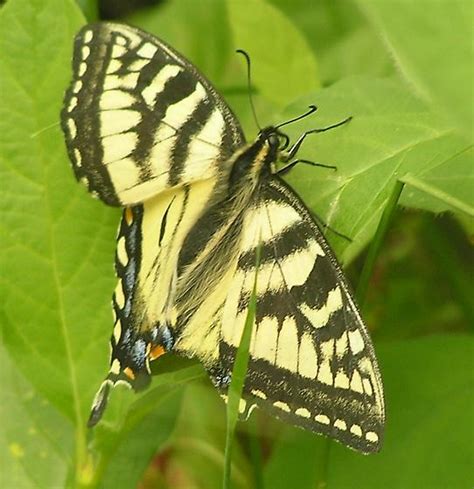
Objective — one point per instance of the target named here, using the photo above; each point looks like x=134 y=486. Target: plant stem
x=239 y=372
x=377 y=242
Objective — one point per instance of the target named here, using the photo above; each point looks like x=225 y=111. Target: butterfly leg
x=294 y=149
x=289 y=166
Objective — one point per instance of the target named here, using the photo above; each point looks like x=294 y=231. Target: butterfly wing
x=144 y=129
x=139 y=118
x=311 y=359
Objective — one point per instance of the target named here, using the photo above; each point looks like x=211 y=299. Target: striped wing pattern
x=139 y=118
x=148 y=244
x=311 y=359
x=146 y=131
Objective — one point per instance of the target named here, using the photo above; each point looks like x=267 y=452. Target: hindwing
x=139 y=118
x=311 y=359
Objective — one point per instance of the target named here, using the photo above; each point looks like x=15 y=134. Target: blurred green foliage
x=403 y=70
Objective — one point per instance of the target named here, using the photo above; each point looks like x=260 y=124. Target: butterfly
x=147 y=132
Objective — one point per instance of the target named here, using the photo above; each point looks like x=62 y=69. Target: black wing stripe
x=127 y=114
x=187 y=132
x=176 y=88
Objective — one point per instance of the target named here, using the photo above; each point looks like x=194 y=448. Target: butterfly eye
x=278 y=140
x=284 y=141
x=273 y=140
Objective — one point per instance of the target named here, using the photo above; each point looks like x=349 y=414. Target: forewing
x=311 y=359
x=138 y=118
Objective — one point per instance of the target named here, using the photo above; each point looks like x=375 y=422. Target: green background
x=404 y=70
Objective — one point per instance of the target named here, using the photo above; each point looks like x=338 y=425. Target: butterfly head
x=277 y=141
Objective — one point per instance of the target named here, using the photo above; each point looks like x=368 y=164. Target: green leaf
x=392 y=135
x=429 y=388
x=432 y=49
x=35 y=439
x=182 y=25
x=90 y=9
x=342 y=38
x=57 y=244
x=283 y=64
x=127 y=452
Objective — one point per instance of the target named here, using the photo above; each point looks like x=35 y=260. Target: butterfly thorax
x=254 y=162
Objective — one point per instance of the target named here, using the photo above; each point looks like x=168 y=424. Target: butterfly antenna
x=249 y=85
x=311 y=110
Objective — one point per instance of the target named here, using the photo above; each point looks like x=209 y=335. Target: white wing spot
x=340 y=424
x=250 y=411
x=356 y=430
x=86 y=50
x=147 y=50
x=77 y=157
x=356 y=382
x=287 y=356
x=118 y=51
x=138 y=64
x=372 y=437
x=76 y=88
x=115 y=367
x=303 y=412
x=72 y=104
x=117 y=331
x=366 y=366
x=121 y=251
x=121 y=41
x=342 y=345
x=325 y=374
x=242 y=404
x=266 y=339
x=367 y=386
x=341 y=380
x=88 y=35
x=71 y=125
x=82 y=69
x=322 y=418
x=356 y=341
x=114 y=65
x=119 y=296
x=259 y=393
x=282 y=405
x=307 y=357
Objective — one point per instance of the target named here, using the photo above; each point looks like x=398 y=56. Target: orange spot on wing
x=129 y=373
x=157 y=352
x=128 y=214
